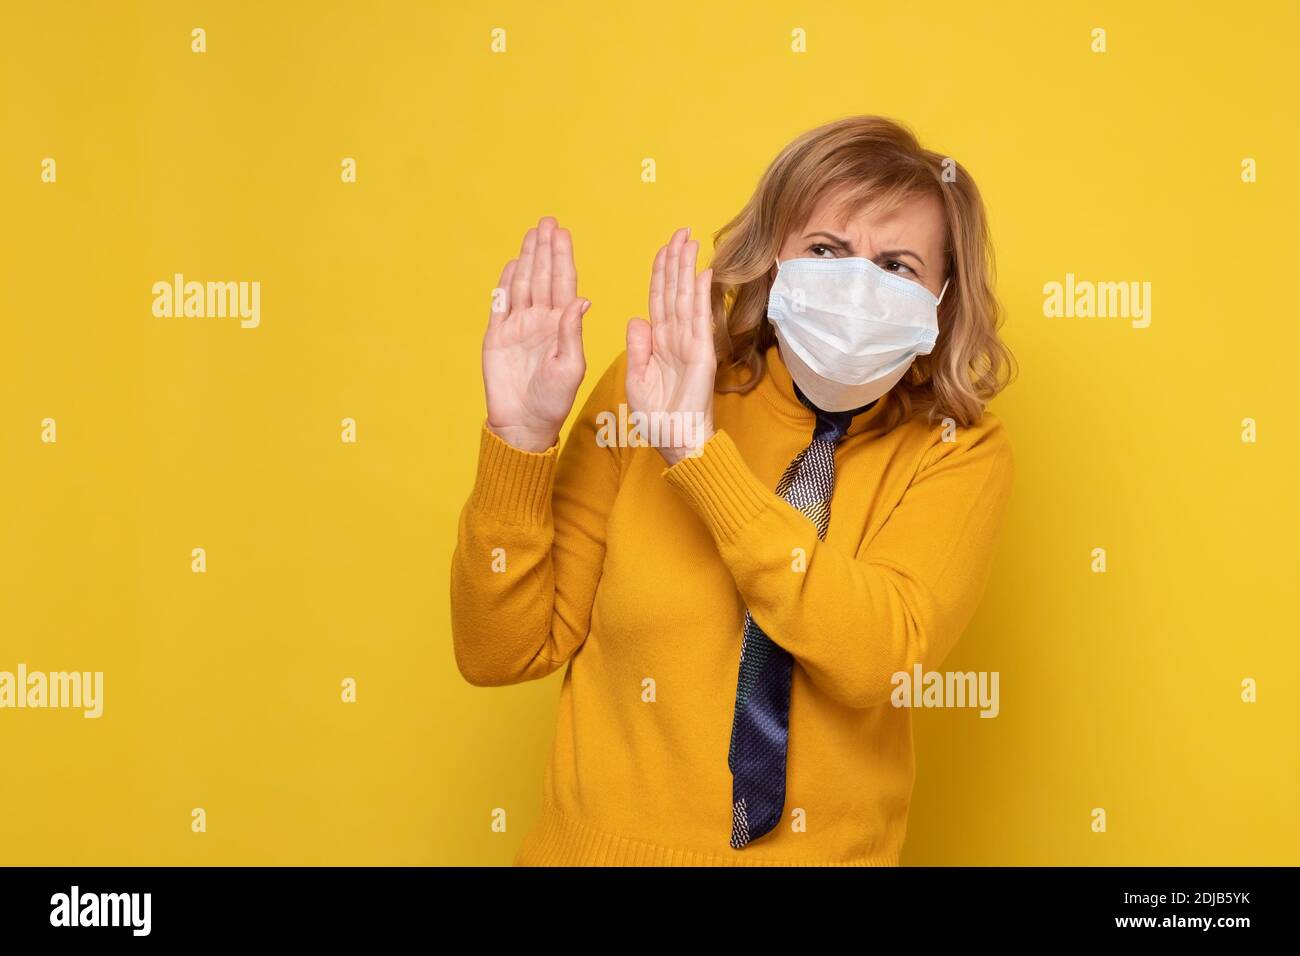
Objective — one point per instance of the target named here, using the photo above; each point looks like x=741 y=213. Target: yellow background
x=328 y=560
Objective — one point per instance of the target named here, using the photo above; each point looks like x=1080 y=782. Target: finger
x=670 y=275
x=702 y=322
x=564 y=275
x=686 y=285
x=569 y=346
x=520 y=296
x=638 y=347
x=657 y=287
x=540 y=280
x=500 y=306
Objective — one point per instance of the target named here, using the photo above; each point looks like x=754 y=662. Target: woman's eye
x=815 y=251
x=893 y=265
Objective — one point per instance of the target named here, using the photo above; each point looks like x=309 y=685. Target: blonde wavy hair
x=879 y=164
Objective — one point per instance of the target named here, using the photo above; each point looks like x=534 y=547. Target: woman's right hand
x=532 y=352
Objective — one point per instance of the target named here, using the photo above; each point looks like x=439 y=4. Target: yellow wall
x=328 y=560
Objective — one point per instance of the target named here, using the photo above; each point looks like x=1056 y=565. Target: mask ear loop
x=942 y=291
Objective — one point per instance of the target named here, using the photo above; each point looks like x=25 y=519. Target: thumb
x=638 y=346
x=569 y=345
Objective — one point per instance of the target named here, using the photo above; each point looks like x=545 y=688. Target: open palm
x=671 y=359
x=532 y=351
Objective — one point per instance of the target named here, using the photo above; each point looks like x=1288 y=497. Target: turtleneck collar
x=778 y=389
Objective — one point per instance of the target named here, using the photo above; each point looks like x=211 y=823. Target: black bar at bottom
x=370 y=905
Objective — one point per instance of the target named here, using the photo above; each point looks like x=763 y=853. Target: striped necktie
x=761 y=727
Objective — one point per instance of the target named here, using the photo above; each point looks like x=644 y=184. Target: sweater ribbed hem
x=720 y=486
x=513 y=486
x=561 y=840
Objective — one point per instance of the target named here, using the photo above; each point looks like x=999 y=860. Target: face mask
x=847 y=329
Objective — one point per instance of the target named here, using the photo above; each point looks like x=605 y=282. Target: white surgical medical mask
x=849 y=330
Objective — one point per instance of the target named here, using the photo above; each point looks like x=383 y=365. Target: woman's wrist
x=672 y=455
x=533 y=440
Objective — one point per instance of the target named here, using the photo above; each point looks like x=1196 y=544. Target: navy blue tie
x=761 y=728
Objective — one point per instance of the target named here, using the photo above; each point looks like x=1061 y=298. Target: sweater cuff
x=512 y=485
x=720 y=486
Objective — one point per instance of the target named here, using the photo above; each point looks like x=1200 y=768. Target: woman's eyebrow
x=899 y=253
x=886 y=253
x=838 y=240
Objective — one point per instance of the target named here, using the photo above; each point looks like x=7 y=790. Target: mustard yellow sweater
x=636 y=576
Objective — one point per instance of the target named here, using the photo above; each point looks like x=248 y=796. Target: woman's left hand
x=671 y=363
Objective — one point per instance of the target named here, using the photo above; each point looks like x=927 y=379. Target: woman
x=733 y=603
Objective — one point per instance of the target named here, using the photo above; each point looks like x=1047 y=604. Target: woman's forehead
x=915 y=216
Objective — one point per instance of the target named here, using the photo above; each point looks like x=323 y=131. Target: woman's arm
x=530 y=547
x=531 y=537
x=853 y=622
